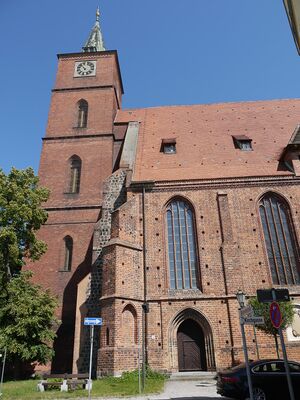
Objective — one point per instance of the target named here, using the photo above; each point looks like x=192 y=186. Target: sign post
x=273 y=296
x=91 y=322
x=276 y=319
x=242 y=323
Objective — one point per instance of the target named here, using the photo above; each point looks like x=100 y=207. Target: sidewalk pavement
x=182 y=390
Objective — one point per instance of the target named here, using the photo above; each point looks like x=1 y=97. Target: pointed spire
x=95 y=39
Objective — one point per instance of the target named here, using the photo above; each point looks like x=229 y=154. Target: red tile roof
x=204 y=143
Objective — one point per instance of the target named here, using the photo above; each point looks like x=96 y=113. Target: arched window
x=181 y=245
x=75 y=172
x=68 y=253
x=82 y=113
x=280 y=240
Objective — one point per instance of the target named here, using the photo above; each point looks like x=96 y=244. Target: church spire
x=95 y=39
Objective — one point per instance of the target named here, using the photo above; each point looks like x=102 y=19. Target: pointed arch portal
x=191 y=342
x=191 y=347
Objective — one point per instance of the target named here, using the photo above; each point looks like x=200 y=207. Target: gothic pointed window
x=68 y=253
x=280 y=240
x=82 y=113
x=182 y=254
x=75 y=172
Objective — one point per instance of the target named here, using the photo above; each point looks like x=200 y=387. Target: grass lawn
x=127 y=385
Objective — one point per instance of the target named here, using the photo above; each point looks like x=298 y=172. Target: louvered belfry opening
x=82 y=114
x=75 y=173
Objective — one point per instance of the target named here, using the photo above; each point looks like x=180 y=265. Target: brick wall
x=231 y=256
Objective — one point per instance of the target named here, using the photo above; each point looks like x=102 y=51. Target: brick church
x=158 y=216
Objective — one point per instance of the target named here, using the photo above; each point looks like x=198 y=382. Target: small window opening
x=82 y=114
x=107 y=336
x=68 y=253
x=75 y=172
x=168 y=146
x=242 y=142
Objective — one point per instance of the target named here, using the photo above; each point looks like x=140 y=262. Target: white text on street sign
x=93 y=321
x=254 y=321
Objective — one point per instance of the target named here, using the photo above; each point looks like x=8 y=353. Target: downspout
x=145 y=305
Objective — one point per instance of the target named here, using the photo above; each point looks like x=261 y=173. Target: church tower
x=78 y=154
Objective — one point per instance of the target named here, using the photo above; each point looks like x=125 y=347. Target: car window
x=294 y=367
x=262 y=368
x=277 y=367
x=270 y=367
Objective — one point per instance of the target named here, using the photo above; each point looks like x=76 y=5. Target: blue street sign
x=93 y=321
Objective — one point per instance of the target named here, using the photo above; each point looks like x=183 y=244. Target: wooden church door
x=191 y=347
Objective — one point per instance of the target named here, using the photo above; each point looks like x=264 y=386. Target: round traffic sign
x=275 y=315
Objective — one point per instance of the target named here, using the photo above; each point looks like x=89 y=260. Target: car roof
x=254 y=363
x=272 y=360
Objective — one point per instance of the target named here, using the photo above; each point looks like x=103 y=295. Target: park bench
x=64 y=381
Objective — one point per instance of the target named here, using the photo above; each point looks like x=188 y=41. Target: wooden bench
x=64 y=381
x=75 y=380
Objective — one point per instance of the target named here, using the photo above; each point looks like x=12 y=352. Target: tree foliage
x=263 y=309
x=21 y=216
x=26 y=319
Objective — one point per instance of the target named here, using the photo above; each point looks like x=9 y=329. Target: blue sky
x=170 y=51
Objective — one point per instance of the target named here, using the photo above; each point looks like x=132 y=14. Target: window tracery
x=280 y=240
x=182 y=254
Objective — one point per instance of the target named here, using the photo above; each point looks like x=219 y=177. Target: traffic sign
x=247 y=312
x=275 y=315
x=254 y=321
x=269 y=295
x=93 y=321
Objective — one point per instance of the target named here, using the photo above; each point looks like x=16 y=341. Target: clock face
x=85 y=68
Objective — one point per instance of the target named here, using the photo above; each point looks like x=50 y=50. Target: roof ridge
x=210 y=104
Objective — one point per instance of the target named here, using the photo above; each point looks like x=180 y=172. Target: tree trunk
x=17 y=366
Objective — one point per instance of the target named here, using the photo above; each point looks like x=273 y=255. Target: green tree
x=26 y=321
x=263 y=309
x=21 y=216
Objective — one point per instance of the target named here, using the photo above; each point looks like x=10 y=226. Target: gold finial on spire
x=97 y=14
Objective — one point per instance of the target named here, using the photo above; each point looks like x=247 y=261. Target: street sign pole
x=246 y=357
x=2 y=371
x=139 y=359
x=286 y=364
x=91 y=322
x=91 y=358
x=256 y=344
x=287 y=368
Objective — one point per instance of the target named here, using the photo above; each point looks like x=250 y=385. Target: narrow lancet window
x=107 y=337
x=75 y=172
x=280 y=240
x=82 y=113
x=68 y=253
x=181 y=245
